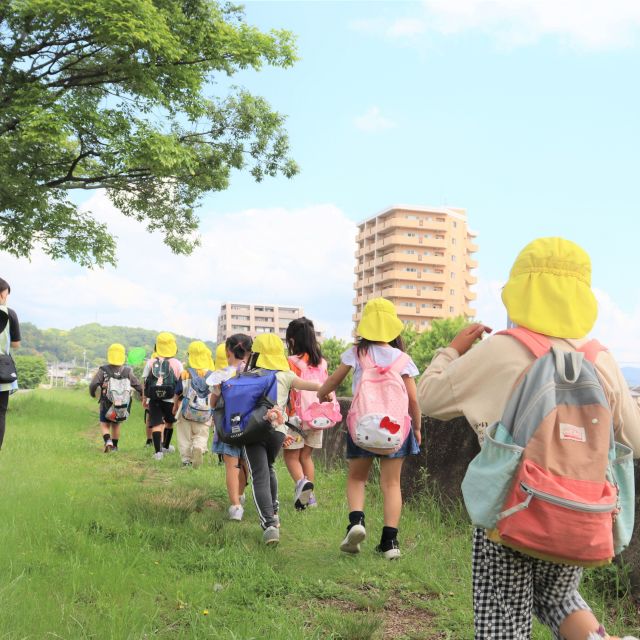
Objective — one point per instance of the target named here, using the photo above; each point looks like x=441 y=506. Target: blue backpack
x=241 y=409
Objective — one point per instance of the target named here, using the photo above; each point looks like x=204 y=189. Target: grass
x=121 y=546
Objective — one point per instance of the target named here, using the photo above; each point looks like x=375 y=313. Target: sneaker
x=390 y=549
x=355 y=535
x=276 y=517
x=303 y=491
x=169 y=449
x=271 y=536
x=312 y=501
x=186 y=463
x=108 y=446
x=236 y=512
x=197 y=457
x=115 y=449
x=158 y=456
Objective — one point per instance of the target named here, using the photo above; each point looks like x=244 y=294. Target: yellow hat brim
x=199 y=361
x=166 y=351
x=379 y=326
x=273 y=362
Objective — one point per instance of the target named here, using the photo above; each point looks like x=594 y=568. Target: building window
x=240 y=327
x=453 y=240
x=453 y=258
x=451 y=309
x=240 y=317
x=455 y=224
x=453 y=275
x=409 y=217
x=411 y=269
x=408 y=286
x=407 y=304
x=426 y=235
x=238 y=307
x=409 y=251
x=452 y=292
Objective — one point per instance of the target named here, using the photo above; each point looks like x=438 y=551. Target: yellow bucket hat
x=270 y=350
x=210 y=363
x=166 y=346
x=116 y=354
x=549 y=289
x=379 y=322
x=199 y=355
x=221 y=356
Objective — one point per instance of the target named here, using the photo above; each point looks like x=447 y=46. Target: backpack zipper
x=564 y=502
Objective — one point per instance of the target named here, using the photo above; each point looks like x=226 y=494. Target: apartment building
x=420 y=258
x=252 y=319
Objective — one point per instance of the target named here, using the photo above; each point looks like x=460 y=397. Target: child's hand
x=275 y=416
x=418 y=434
x=288 y=441
x=467 y=336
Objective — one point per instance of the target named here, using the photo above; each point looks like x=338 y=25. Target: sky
x=523 y=112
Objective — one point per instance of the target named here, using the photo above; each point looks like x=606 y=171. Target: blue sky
x=524 y=113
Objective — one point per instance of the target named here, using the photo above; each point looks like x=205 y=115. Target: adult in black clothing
x=7 y=315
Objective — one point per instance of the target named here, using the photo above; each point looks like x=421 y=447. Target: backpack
x=244 y=400
x=379 y=420
x=195 y=404
x=161 y=381
x=8 y=373
x=117 y=393
x=550 y=480
x=313 y=414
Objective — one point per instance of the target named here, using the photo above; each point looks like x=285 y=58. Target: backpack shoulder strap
x=400 y=362
x=591 y=350
x=537 y=343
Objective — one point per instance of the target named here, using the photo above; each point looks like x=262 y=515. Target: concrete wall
x=448 y=447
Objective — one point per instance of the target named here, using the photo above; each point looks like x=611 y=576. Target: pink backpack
x=313 y=414
x=379 y=418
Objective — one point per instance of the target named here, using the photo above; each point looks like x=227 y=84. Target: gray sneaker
x=158 y=456
x=271 y=536
x=355 y=535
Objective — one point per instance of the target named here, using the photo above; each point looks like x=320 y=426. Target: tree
x=32 y=370
x=439 y=334
x=97 y=94
x=332 y=349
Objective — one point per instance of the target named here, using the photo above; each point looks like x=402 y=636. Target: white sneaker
x=303 y=491
x=271 y=536
x=236 y=512
x=169 y=449
x=108 y=446
x=159 y=455
x=197 y=457
x=355 y=535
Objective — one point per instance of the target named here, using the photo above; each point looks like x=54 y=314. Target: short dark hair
x=239 y=344
x=4 y=286
x=301 y=339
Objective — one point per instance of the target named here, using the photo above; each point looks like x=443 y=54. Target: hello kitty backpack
x=313 y=414
x=379 y=418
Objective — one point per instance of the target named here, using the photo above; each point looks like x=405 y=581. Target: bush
x=32 y=370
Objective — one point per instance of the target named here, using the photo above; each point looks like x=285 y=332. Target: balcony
x=470 y=295
x=398 y=239
x=413 y=258
x=471 y=263
x=470 y=279
x=400 y=221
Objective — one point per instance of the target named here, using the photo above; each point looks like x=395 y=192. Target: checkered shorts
x=509 y=586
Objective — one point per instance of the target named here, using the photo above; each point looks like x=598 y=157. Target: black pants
x=260 y=458
x=4 y=404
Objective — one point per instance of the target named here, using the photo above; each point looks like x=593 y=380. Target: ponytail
x=301 y=339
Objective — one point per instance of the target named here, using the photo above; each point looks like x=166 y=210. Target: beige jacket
x=478 y=384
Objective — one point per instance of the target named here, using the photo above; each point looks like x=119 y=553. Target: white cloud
x=284 y=256
x=589 y=24
x=373 y=121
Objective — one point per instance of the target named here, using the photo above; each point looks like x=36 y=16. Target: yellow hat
x=221 y=356
x=199 y=355
x=549 y=289
x=379 y=322
x=210 y=363
x=271 y=352
x=166 y=346
x=116 y=354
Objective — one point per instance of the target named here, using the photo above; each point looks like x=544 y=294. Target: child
x=193 y=427
x=548 y=292
x=303 y=345
x=268 y=353
x=379 y=340
x=113 y=369
x=237 y=351
x=160 y=376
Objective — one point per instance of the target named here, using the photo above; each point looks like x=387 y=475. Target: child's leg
x=292 y=460
x=183 y=428
x=390 y=470
x=356 y=482
x=306 y=461
x=273 y=446
x=232 y=476
x=115 y=434
x=105 y=427
x=199 y=436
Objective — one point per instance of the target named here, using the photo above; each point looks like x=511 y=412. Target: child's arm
x=333 y=382
x=215 y=394
x=414 y=408
x=304 y=385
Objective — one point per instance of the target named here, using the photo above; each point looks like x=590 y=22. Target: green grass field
x=122 y=546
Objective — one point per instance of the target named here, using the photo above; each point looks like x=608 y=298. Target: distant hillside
x=631 y=375
x=89 y=342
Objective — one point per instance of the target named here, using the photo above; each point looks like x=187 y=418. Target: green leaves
x=32 y=370
x=115 y=94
